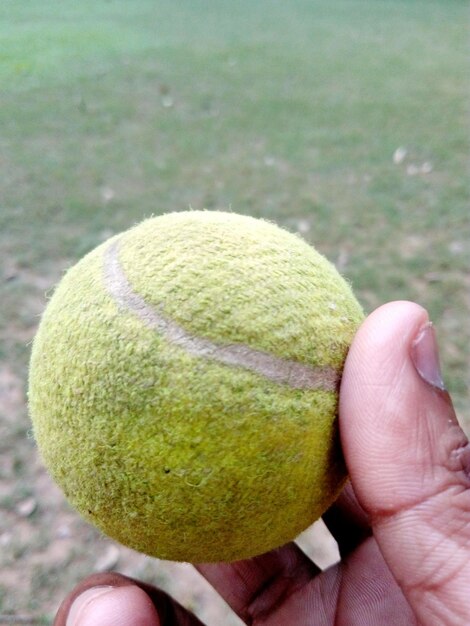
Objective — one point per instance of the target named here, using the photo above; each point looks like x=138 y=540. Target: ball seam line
x=278 y=370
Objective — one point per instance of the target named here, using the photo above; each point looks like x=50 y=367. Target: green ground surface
x=114 y=111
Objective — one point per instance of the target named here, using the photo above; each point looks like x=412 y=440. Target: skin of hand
x=402 y=524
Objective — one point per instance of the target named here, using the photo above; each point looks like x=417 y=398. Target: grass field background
x=346 y=121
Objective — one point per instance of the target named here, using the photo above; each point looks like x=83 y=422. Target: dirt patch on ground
x=12 y=398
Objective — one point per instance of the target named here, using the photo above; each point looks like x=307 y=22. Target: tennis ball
x=184 y=385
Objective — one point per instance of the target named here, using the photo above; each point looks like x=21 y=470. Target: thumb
x=409 y=460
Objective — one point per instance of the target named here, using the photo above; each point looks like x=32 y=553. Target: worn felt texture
x=183 y=385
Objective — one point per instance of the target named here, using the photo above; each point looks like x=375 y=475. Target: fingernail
x=76 y=616
x=425 y=356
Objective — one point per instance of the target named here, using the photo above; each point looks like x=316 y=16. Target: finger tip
x=394 y=320
x=395 y=418
x=379 y=387
x=379 y=349
x=102 y=604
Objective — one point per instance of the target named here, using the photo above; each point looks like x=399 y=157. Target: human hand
x=402 y=524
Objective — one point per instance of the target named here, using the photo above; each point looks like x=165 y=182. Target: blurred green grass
x=112 y=111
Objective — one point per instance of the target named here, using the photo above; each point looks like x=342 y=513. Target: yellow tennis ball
x=184 y=385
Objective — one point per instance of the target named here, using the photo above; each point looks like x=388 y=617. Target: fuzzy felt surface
x=152 y=435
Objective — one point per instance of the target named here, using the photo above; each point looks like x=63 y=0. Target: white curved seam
x=282 y=371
